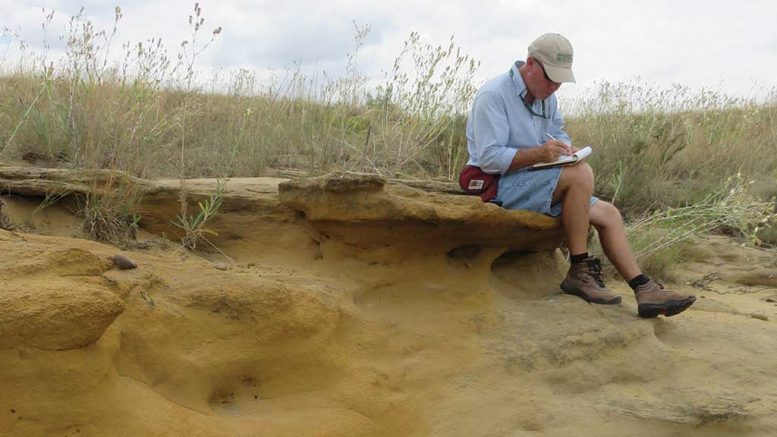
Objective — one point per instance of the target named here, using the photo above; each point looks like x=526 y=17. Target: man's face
x=539 y=84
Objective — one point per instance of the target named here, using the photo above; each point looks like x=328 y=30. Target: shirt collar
x=515 y=75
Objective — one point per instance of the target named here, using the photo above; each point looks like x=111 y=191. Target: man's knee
x=578 y=174
x=605 y=214
x=586 y=173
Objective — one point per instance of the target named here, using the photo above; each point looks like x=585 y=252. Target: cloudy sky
x=728 y=46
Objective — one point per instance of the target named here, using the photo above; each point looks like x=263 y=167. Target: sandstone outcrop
x=352 y=305
x=53 y=298
x=395 y=220
x=366 y=214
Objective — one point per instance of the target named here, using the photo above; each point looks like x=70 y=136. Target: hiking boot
x=653 y=299
x=585 y=280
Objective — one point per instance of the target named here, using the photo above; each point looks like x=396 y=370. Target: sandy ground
x=291 y=338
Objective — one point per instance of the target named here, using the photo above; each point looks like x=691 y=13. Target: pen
x=554 y=139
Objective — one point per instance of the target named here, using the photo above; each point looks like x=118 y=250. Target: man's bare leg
x=574 y=189
x=652 y=298
x=612 y=234
x=584 y=278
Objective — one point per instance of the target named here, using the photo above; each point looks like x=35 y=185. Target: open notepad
x=566 y=159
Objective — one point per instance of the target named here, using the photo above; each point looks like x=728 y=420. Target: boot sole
x=667 y=309
x=569 y=290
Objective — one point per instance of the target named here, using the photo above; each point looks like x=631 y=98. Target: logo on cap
x=564 y=58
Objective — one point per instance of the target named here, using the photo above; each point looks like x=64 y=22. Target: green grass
x=195 y=227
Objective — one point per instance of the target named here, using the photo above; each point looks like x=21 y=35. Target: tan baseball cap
x=555 y=54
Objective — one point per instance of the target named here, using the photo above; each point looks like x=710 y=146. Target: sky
x=726 y=46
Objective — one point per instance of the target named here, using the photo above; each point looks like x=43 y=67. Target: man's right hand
x=547 y=152
x=552 y=150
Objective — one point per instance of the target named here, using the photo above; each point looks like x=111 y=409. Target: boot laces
x=594 y=267
x=660 y=285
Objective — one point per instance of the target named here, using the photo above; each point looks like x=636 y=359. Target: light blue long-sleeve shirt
x=500 y=125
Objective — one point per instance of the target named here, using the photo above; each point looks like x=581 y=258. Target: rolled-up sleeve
x=491 y=132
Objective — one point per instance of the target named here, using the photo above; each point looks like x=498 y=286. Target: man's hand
x=552 y=150
x=547 y=152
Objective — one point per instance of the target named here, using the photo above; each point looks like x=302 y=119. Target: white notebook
x=566 y=159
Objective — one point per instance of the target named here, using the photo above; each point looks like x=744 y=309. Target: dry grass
x=147 y=115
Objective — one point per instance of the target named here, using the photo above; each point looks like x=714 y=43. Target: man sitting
x=514 y=124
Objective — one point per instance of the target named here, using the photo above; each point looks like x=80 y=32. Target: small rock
x=5 y=221
x=759 y=316
x=343 y=182
x=771 y=300
x=122 y=262
x=220 y=266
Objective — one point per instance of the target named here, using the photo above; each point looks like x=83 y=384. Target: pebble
x=760 y=316
x=220 y=266
x=122 y=262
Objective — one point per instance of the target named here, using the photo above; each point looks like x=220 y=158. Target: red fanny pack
x=474 y=181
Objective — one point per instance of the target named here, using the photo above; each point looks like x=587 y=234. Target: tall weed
x=659 y=237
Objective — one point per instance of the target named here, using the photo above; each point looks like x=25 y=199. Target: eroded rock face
x=65 y=315
x=5 y=221
x=467 y=341
x=346 y=212
x=366 y=213
x=53 y=298
x=220 y=337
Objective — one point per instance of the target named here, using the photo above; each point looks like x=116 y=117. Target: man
x=514 y=124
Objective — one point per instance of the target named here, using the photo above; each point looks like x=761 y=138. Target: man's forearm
x=525 y=157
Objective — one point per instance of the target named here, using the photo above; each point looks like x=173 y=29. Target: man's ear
x=531 y=63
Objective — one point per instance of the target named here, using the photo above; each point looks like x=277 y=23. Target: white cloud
x=716 y=44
